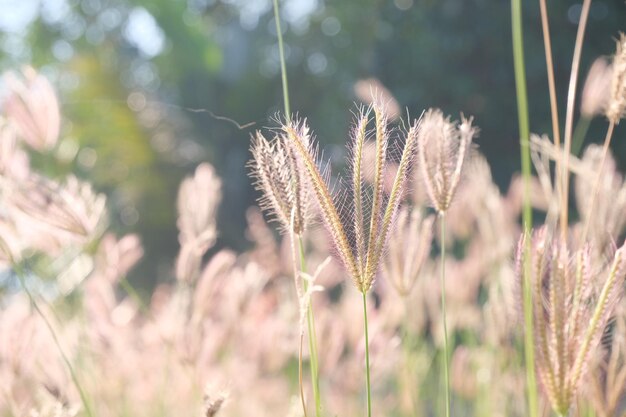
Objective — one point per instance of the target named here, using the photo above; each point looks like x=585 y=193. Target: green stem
x=522 y=105
x=132 y=293
x=582 y=127
x=367 y=358
x=409 y=367
x=283 y=69
x=312 y=338
x=68 y=364
x=443 y=314
x=522 y=113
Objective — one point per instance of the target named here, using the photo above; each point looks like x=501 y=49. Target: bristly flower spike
x=569 y=312
x=359 y=241
x=442 y=148
x=279 y=178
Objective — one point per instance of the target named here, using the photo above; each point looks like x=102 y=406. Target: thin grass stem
x=582 y=127
x=68 y=364
x=446 y=354
x=406 y=342
x=367 y=357
x=314 y=364
x=551 y=84
x=283 y=66
x=300 y=384
x=299 y=294
x=569 y=117
x=310 y=320
x=132 y=293
x=522 y=113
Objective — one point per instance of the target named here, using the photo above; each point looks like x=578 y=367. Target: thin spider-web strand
x=238 y=125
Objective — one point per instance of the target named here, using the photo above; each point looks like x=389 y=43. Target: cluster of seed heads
x=570 y=311
x=360 y=224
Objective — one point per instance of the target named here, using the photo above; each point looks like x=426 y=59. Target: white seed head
x=442 y=148
x=595 y=95
x=617 y=103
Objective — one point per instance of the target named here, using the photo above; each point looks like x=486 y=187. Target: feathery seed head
x=198 y=199
x=617 y=102
x=442 y=148
x=279 y=177
x=359 y=232
x=607 y=219
x=33 y=106
x=71 y=207
x=571 y=304
x=371 y=91
x=595 y=95
x=409 y=247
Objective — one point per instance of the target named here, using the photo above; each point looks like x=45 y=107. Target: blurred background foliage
x=141 y=82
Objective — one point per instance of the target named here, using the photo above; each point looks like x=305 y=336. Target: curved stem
x=551 y=84
x=569 y=117
x=367 y=357
x=68 y=364
x=283 y=69
x=443 y=314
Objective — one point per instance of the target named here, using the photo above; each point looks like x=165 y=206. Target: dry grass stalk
x=362 y=253
x=569 y=312
x=442 y=148
x=569 y=116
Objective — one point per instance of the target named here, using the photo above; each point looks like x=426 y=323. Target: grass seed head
x=33 y=106
x=360 y=226
x=571 y=305
x=442 y=148
x=198 y=200
x=617 y=102
x=409 y=247
x=595 y=95
x=278 y=177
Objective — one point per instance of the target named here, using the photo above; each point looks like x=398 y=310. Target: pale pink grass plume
x=33 y=106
